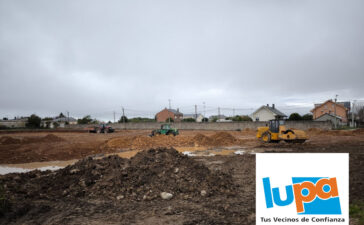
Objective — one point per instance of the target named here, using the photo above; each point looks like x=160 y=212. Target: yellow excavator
x=276 y=131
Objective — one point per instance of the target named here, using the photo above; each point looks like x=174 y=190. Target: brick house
x=328 y=107
x=163 y=115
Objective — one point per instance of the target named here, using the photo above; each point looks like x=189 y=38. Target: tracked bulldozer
x=276 y=131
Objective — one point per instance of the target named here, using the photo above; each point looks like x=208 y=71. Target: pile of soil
x=223 y=139
x=113 y=179
x=201 y=140
x=359 y=131
x=6 y=140
x=168 y=141
x=52 y=138
x=45 y=139
x=143 y=177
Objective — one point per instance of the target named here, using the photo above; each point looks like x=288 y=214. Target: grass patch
x=357 y=211
x=4 y=202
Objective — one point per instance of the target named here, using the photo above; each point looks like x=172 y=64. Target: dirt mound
x=223 y=139
x=314 y=129
x=339 y=133
x=359 y=131
x=201 y=140
x=143 y=177
x=52 y=138
x=47 y=138
x=167 y=141
x=6 y=140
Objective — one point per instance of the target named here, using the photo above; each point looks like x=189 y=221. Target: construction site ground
x=116 y=179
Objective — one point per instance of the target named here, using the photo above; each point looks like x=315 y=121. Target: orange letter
x=300 y=198
x=333 y=188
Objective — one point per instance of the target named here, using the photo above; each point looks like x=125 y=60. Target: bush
x=189 y=120
x=33 y=121
x=241 y=118
x=307 y=117
x=295 y=116
x=85 y=120
x=246 y=118
x=141 y=119
x=123 y=119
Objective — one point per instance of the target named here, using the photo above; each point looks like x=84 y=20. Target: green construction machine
x=166 y=130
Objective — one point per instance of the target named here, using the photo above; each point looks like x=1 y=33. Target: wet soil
x=116 y=190
x=124 y=191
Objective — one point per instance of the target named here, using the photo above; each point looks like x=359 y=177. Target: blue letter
x=267 y=192
x=277 y=197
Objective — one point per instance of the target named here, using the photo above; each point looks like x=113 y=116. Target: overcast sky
x=93 y=57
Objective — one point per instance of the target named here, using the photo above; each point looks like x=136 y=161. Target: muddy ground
x=217 y=189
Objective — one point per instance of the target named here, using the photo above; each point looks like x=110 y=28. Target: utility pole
x=233 y=112
x=68 y=117
x=218 y=112
x=123 y=117
x=169 y=111
x=352 y=114
x=204 y=110
x=114 y=116
x=195 y=112
x=335 y=111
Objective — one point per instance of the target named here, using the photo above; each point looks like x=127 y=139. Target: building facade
x=163 y=115
x=339 y=109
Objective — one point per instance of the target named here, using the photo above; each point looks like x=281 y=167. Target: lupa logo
x=312 y=195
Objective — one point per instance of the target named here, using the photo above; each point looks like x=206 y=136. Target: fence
x=303 y=125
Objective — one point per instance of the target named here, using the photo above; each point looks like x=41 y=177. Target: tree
x=141 y=119
x=123 y=119
x=295 y=116
x=55 y=124
x=85 y=120
x=307 y=117
x=34 y=121
x=235 y=118
x=61 y=115
x=246 y=118
x=169 y=120
x=205 y=119
x=189 y=120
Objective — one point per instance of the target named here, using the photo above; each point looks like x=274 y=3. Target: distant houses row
x=337 y=112
x=328 y=111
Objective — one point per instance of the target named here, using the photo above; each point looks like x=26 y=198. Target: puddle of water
x=6 y=170
x=239 y=152
x=54 y=165
x=26 y=167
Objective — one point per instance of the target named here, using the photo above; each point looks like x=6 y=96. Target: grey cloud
x=93 y=56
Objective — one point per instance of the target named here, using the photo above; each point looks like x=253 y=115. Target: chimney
x=267 y=105
x=273 y=106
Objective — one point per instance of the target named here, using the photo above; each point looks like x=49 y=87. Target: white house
x=58 y=122
x=266 y=113
x=193 y=116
